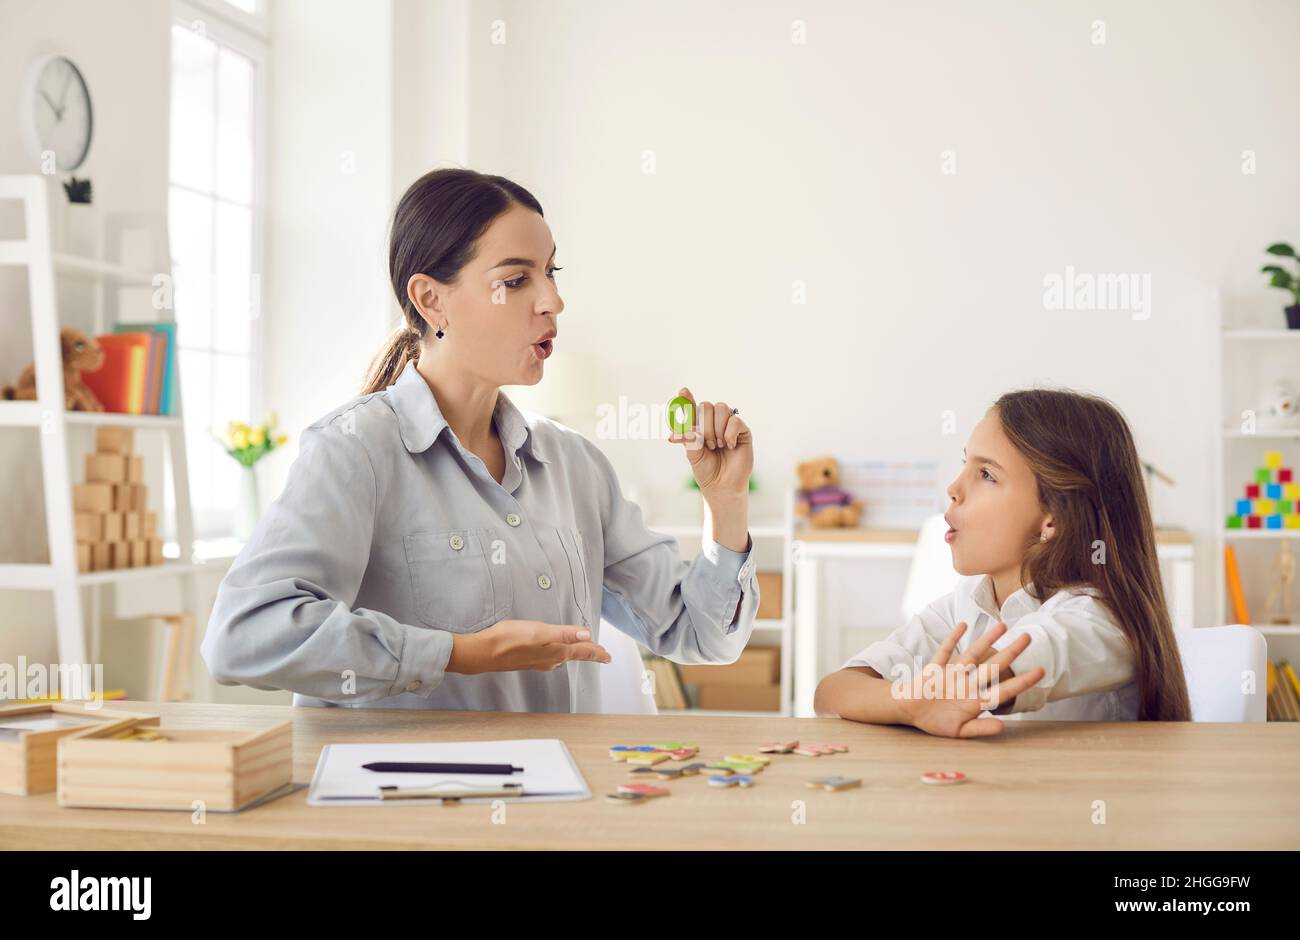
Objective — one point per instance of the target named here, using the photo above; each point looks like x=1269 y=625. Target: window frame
x=247 y=34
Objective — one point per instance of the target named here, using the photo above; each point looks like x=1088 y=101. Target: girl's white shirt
x=1088 y=665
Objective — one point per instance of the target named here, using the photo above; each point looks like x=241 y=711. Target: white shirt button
x=412 y=686
x=457 y=543
x=513 y=518
x=543 y=582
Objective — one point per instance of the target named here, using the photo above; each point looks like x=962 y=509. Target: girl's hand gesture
x=948 y=696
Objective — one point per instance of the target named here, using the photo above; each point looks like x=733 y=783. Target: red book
x=119 y=382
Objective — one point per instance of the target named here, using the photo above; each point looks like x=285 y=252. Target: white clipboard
x=549 y=772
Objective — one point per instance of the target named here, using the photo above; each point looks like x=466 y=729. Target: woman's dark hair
x=435 y=229
x=1091 y=481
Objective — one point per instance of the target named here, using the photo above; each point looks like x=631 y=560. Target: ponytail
x=403 y=346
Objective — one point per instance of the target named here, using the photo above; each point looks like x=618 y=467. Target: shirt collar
x=420 y=420
x=979 y=599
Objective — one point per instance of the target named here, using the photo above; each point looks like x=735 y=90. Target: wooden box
x=114 y=440
x=769 y=595
x=89 y=526
x=28 y=759
x=225 y=769
x=757 y=666
x=93 y=497
x=739 y=697
x=105 y=468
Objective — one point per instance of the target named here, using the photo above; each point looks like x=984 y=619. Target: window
x=218 y=92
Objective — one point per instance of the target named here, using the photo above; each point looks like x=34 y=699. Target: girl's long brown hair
x=435 y=227
x=1091 y=482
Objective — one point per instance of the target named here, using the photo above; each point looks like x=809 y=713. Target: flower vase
x=249 y=507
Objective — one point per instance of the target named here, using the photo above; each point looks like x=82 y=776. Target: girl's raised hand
x=948 y=696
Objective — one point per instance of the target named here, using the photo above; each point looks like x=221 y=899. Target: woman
x=436 y=548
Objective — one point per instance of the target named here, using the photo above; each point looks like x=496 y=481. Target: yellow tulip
x=281 y=440
x=240 y=439
x=257 y=437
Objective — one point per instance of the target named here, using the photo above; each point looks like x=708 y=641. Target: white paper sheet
x=549 y=771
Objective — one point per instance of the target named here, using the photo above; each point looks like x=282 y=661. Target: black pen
x=398 y=767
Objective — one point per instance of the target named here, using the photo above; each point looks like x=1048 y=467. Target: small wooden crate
x=225 y=769
x=28 y=759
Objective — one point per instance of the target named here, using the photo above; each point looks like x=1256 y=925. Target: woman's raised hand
x=720 y=449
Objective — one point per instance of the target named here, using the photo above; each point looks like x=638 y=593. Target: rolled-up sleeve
x=283 y=616
x=911 y=645
x=1080 y=648
x=689 y=612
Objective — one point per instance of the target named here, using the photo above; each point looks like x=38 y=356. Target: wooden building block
x=119 y=555
x=89 y=526
x=105 y=468
x=131 y=526
x=83 y=556
x=121 y=497
x=92 y=497
x=155 y=551
x=139 y=553
x=148 y=525
x=134 y=468
x=101 y=557
x=112 y=526
x=113 y=440
x=138 y=497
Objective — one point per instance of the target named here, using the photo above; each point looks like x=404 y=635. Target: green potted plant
x=1281 y=277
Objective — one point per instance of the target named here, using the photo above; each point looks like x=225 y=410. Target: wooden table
x=1037 y=786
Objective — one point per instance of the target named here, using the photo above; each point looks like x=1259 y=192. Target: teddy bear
x=80 y=354
x=820 y=498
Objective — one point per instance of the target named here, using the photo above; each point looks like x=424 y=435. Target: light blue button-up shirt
x=390 y=537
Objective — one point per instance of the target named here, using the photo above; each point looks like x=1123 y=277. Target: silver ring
x=735 y=411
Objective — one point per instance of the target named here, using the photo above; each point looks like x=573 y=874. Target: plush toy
x=80 y=354
x=820 y=498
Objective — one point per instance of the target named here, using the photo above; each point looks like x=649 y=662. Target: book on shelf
x=138 y=376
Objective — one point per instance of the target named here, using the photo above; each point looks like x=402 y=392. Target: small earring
x=438 y=334
x=1042 y=538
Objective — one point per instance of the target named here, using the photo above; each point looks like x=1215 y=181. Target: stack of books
x=138 y=376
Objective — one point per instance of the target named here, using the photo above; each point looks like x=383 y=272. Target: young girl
x=1063 y=610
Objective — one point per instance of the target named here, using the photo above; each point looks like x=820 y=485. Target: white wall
x=779 y=162
x=330 y=186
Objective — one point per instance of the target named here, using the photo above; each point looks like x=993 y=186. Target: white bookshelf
x=55 y=425
x=1242 y=358
x=776 y=632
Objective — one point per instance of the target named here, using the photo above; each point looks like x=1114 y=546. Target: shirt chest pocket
x=456 y=584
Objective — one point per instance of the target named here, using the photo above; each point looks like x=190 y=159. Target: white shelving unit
x=1240 y=350
x=54 y=423
x=766 y=631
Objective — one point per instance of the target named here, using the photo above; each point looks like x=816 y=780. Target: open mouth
x=544 y=348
